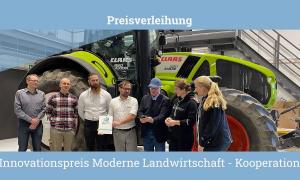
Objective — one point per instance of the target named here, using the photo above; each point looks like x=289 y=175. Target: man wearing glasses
x=123 y=109
x=30 y=109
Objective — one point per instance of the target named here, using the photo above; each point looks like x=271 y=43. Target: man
x=62 y=114
x=153 y=111
x=30 y=109
x=91 y=104
x=123 y=109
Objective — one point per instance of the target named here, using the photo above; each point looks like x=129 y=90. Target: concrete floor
x=12 y=145
x=9 y=145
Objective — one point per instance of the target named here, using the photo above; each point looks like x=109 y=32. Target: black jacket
x=213 y=128
x=185 y=111
x=159 y=111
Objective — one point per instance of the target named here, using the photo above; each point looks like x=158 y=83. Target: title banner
x=154 y=14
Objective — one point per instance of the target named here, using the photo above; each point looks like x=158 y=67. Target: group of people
x=160 y=118
x=174 y=120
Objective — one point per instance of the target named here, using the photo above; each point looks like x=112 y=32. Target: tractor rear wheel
x=251 y=125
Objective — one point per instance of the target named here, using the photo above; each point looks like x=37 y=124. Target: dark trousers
x=95 y=142
x=220 y=147
x=23 y=136
x=180 y=144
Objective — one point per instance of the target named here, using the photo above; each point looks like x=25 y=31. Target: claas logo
x=171 y=59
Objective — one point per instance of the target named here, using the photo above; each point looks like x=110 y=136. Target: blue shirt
x=29 y=105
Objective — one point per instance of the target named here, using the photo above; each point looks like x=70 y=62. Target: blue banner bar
x=154 y=14
x=141 y=165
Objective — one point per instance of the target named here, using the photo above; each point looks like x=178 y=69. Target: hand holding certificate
x=105 y=124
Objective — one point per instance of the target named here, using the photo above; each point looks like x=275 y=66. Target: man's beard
x=95 y=86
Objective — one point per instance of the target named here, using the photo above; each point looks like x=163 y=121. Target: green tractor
x=250 y=89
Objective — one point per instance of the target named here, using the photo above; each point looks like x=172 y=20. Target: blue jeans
x=23 y=136
x=150 y=143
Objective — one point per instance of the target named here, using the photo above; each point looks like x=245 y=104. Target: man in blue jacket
x=153 y=111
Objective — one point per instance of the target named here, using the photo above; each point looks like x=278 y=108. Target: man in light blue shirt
x=30 y=109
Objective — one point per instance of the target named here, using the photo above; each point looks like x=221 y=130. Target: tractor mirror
x=162 y=39
x=215 y=79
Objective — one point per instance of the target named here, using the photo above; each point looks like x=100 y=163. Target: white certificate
x=105 y=124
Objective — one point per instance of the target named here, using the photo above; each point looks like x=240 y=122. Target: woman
x=213 y=129
x=182 y=118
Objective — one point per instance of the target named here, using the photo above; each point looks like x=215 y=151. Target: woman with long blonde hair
x=213 y=130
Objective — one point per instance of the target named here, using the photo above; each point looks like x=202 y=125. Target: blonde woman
x=213 y=129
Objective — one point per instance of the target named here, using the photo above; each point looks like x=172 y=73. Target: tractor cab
x=251 y=78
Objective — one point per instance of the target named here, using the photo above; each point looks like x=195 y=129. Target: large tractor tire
x=49 y=83
x=251 y=125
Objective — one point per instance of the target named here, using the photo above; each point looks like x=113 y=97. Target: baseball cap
x=154 y=83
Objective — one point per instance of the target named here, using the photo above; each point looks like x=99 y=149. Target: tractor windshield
x=119 y=51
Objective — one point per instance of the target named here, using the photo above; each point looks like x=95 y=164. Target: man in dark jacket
x=153 y=111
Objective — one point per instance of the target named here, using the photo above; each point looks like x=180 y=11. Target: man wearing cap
x=153 y=111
